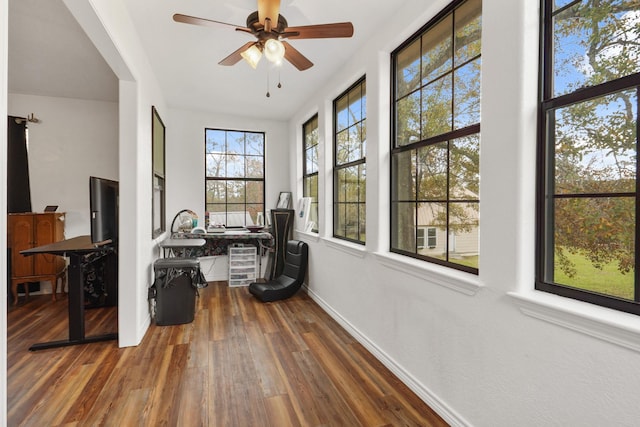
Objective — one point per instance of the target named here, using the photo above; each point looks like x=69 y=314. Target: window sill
x=347 y=247
x=307 y=236
x=459 y=281
x=609 y=325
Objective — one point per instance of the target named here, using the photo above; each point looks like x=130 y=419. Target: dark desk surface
x=77 y=245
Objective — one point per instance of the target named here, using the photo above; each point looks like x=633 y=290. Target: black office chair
x=291 y=279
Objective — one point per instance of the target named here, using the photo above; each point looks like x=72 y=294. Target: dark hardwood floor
x=240 y=363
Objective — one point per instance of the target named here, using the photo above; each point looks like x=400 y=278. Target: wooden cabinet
x=29 y=230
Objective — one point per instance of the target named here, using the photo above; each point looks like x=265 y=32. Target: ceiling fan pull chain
x=268 y=94
x=279 y=84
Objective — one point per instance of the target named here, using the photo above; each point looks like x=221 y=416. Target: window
x=234 y=182
x=588 y=144
x=436 y=139
x=349 y=173
x=310 y=168
x=427 y=237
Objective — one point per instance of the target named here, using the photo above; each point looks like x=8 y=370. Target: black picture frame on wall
x=158 y=178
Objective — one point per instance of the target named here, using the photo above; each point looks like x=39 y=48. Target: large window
x=349 y=173
x=234 y=182
x=310 y=168
x=588 y=144
x=436 y=140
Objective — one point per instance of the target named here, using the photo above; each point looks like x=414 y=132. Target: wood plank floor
x=240 y=363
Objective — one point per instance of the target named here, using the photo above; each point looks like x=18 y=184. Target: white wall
x=74 y=140
x=474 y=347
x=109 y=27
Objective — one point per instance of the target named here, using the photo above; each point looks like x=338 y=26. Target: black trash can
x=174 y=290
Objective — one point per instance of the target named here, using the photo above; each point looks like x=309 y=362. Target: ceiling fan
x=271 y=29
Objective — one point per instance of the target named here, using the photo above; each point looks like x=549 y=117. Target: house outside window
x=436 y=139
x=588 y=183
x=234 y=177
x=349 y=172
x=310 y=168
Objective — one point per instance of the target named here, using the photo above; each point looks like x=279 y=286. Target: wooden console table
x=75 y=248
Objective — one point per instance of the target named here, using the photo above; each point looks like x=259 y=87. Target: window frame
x=360 y=162
x=545 y=180
x=226 y=178
x=310 y=175
x=448 y=138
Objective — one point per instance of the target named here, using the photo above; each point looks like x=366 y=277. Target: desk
x=217 y=243
x=75 y=249
x=182 y=246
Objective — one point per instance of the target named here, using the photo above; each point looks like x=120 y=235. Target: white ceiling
x=50 y=55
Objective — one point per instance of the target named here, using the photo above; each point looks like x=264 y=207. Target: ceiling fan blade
x=186 y=19
x=268 y=9
x=236 y=55
x=297 y=59
x=321 y=31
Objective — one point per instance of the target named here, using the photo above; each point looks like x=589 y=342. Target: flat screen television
x=103 y=195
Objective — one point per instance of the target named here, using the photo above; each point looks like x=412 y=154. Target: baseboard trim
x=440 y=407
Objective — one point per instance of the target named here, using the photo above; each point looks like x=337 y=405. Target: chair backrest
x=295 y=262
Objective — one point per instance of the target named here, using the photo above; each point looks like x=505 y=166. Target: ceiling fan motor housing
x=259 y=30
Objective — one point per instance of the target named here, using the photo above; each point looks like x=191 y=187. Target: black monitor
x=103 y=194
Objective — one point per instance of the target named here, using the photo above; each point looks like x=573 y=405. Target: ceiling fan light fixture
x=252 y=56
x=274 y=51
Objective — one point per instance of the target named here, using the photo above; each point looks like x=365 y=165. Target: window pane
x=340 y=220
x=311 y=157
x=252 y=217
x=362 y=225
x=468 y=30
x=433 y=215
x=408 y=119
x=432 y=172
x=342 y=147
x=347 y=186
x=255 y=192
x=464 y=173
x=408 y=69
x=403 y=187
x=216 y=167
x=235 y=143
x=403 y=226
x=595 y=43
x=354 y=144
x=216 y=192
x=594 y=244
x=254 y=144
x=595 y=145
x=363 y=132
x=464 y=221
x=310 y=130
x=255 y=166
x=235 y=191
x=216 y=213
x=235 y=166
x=437 y=114
x=355 y=106
x=467 y=95
x=342 y=114
x=362 y=183
x=215 y=141
x=436 y=51
x=236 y=215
